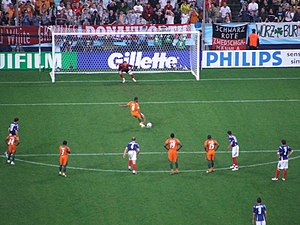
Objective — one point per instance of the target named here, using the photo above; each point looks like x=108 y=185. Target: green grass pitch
x=260 y=106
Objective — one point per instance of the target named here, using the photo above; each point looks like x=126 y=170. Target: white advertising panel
x=247 y=59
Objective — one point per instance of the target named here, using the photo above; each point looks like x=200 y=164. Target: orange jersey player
x=135 y=110
x=64 y=151
x=173 y=145
x=210 y=147
x=12 y=141
x=125 y=68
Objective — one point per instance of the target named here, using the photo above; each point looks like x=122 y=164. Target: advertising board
x=248 y=59
x=96 y=60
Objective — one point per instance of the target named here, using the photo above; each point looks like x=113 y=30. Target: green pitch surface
x=260 y=106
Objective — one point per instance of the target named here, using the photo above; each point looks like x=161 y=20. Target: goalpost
x=148 y=52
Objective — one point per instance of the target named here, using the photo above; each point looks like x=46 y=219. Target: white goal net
x=148 y=52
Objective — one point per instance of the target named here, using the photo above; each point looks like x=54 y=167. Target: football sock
x=176 y=164
x=13 y=157
x=60 y=167
x=129 y=162
x=121 y=75
x=132 y=76
x=134 y=167
x=212 y=163
x=64 y=169
x=277 y=173
x=8 y=157
x=171 y=166
x=284 y=173
x=235 y=161
x=209 y=164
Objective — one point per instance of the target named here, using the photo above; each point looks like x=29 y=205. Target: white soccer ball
x=149 y=125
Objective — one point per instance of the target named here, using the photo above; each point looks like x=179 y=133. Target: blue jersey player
x=133 y=150
x=234 y=146
x=259 y=213
x=283 y=153
x=14 y=127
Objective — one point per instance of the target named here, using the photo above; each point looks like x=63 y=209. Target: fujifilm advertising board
x=249 y=59
x=28 y=60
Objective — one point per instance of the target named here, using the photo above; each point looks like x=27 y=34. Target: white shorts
x=283 y=164
x=132 y=155
x=235 y=151
x=260 y=222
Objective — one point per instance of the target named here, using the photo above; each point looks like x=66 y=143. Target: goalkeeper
x=127 y=68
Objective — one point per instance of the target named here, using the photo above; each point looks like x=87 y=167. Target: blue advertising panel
x=157 y=60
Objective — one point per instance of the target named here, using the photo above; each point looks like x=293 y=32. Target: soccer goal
x=149 y=52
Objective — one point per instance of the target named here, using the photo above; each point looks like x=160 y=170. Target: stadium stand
x=95 y=12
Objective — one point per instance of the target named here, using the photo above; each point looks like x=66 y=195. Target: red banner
x=23 y=35
x=136 y=28
x=29 y=35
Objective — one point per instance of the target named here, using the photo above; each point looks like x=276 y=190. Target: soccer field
x=260 y=106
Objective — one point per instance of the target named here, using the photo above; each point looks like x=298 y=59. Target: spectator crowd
x=109 y=12
x=96 y=12
x=254 y=11
x=270 y=11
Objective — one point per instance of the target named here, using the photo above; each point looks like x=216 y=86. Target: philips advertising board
x=248 y=59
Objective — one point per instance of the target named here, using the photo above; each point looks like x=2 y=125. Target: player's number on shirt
x=11 y=141
x=172 y=144
x=211 y=146
x=259 y=211
x=133 y=107
x=132 y=146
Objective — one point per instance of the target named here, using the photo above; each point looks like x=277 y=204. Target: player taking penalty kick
x=125 y=68
x=135 y=111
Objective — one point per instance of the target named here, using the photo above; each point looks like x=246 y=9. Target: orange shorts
x=210 y=155
x=137 y=115
x=12 y=149
x=63 y=160
x=172 y=156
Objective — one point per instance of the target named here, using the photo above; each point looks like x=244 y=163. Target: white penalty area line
x=148 y=171
x=154 y=103
x=147 y=153
x=153 y=81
